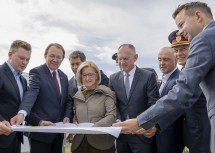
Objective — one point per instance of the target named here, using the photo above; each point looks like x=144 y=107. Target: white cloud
x=95 y=27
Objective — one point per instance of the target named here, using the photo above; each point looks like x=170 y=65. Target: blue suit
x=143 y=94
x=46 y=105
x=9 y=105
x=199 y=69
x=170 y=139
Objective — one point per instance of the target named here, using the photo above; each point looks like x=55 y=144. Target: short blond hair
x=84 y=65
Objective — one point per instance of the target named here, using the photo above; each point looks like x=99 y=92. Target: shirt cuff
x=23 y=112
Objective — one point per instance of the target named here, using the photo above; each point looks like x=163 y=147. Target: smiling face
x=189 y=25
x=54 y=57
x=89 y=77
x=19 y=59
x=181 y=53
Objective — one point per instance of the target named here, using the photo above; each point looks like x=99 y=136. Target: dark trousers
x=15 y=147
x=42 y=147
x=85 y=147
x=127 y=143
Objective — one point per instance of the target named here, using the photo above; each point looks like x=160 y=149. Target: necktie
x=56 y=82
x=163 y=82
x=19 y=83
x=127 y=84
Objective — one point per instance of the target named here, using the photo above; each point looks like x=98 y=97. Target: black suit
x=170 y=140
x=73 y=83
x=9 y=105
x=143 y=94
x=46 y=105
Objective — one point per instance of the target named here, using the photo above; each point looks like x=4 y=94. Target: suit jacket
x=143 y=94
x=171 y=138
x=197 y=127
x=200 y=68
x=73 y=83
x=9 y=101
x=99 y=108
x=46 y=105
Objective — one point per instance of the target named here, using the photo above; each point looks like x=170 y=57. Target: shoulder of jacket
x=105 y=90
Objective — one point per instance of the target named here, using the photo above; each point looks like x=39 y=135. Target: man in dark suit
x=136 y=90
x=49 y=99
x=196 y=122
x=75 y=59
x=195 y=22
x=170 y=139
x=12 y=87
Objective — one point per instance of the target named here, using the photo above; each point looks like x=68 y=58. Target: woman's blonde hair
x=84 y=65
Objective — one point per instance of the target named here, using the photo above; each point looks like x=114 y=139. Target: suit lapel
x=50 y=79
x=121 y=84
x=74 y=84
x=168 y=81
x=135 y=81
x=62 y=83
x=10 y=75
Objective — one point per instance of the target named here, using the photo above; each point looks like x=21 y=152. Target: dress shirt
x=165 y=77
x=131 y=77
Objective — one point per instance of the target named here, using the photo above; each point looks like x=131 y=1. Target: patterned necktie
x=56 y=82
x=163 y=82
x=127 y=84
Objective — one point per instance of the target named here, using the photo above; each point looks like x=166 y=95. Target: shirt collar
x=15 y=73
x=165 y=77
x=131 y=73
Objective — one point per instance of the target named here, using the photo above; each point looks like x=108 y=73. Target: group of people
x=128 y=98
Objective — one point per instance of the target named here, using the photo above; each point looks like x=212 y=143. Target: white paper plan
x=82 y=128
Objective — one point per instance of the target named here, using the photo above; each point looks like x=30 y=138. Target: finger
x=119 y=124
x=6 y=123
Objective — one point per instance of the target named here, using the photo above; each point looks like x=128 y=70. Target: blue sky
x=96 y=27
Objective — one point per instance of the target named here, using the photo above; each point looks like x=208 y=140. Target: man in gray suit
x=12 y=88
x=195 y=22
x=196 y=124
x=136 y=90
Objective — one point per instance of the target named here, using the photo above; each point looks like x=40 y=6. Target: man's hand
x=17 y=120
x=147 y=133
x=129 y=126
x=45 y=123
x=5 y=128
x=66 y=120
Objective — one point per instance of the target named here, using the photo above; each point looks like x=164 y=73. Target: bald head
x=166 y=60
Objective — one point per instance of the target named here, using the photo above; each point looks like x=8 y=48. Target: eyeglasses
x=90 y=75
x=52 y=56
